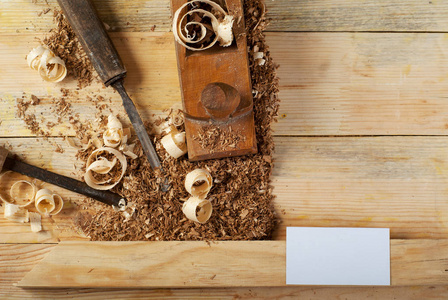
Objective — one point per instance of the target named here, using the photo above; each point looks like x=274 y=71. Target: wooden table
x=361 y=139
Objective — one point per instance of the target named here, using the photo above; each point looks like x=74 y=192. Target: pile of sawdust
x=241 y=194
x=64 y=43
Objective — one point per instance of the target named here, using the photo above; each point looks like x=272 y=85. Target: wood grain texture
x=216 y=264
x=344 y=83
x=286 y=15
x=152 y=83
x=289 y=292
x=361 y=83
x=330 y=83
x=394 y=182
x=153 y=264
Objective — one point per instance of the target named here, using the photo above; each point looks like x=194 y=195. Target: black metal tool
x=107 y=197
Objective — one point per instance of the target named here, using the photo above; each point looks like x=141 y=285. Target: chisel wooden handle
x=95 y=41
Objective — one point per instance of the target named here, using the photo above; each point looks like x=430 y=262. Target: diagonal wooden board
x=209 y=264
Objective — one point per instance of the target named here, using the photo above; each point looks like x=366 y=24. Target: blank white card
x=337 y=256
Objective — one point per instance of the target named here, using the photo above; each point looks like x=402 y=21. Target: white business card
x=337 y=256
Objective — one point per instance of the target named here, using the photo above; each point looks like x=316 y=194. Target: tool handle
x=139 y=127
x=95 y=41
x=68 y=183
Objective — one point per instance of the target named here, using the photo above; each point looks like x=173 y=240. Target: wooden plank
x=330 y=84
x=394 y=182
x=202 y=264
x=17 y=260
x=361 y=83
x=286 y=15
x=152 y=83
x=362 y=15
x=348 y=293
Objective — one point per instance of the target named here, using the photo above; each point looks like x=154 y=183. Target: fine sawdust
x=241 y=194
x=64 y=43
x=61 y=109
x=216 y=138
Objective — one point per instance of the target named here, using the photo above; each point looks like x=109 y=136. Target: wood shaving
x=35 y=222
x=174 y=143
x=198 y=183
x=241 y=193
x=48 y=203
x=23 y=192
x=16 y=213
x=191 y=30
x=197 y=209
x=216 y=138
x=64 y=43
x=50 y=67
x=96 y=163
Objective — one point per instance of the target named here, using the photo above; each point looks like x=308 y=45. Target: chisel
x=84 y=20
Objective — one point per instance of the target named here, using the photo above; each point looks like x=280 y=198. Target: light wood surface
x=361 y=138
x=397 y=182
x=205 y=264
x=330 y=83
x=286 y=15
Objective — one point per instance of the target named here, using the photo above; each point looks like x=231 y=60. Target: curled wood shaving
x=128 y=150
x=198 y=183
x=113 y=136
x=22 y=194
x=100 y=184
x=50 y=67
x=33 y=58
x=195 y=40
x=48 y=203
x=59 y=204
x=102 y=165
x=44 y=202
x=197 y=209
x=174 y=143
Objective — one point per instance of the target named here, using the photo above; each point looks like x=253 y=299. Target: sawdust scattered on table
x=64 y=43
x=241 y=194
x=61 y=110
x=215 y=138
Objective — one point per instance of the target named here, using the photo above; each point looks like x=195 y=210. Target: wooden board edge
x=191 y=264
